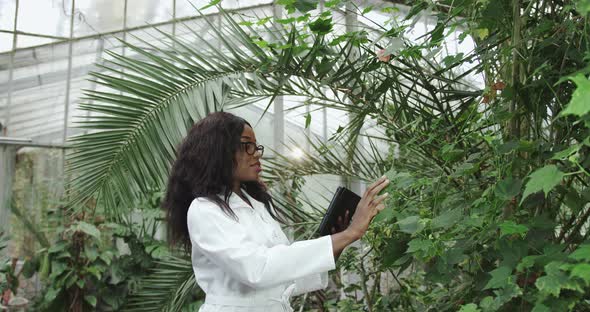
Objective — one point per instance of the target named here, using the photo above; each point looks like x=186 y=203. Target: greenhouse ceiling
x=47 y=49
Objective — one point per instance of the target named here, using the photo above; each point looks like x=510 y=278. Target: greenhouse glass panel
x=92 y=17
x=7 y=9
x=5 y=42
x=38 y=93
x=142 y=12
x=44 y=17
x=24 y=41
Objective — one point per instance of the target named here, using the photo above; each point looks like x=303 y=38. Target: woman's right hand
x=369 y=206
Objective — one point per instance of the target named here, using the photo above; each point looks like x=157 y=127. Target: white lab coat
x=249 y=265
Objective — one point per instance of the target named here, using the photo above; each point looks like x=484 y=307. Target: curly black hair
x=204 y=167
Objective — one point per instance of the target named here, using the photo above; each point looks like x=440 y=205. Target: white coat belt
x=253 y=302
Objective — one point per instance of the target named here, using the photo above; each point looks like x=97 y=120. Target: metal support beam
x=173 y=24
x=11 y=140
x=68 y=85
x=7 y=163
x=69 y=74
x=124 y=29
x=324 y=109
x=279 y=111
x=24 y=33
x=99 y=50
x=351 y=25
x=6 y=126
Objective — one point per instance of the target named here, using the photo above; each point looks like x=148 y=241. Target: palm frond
x=154 y=94
x=329 y=158
x=167 y=288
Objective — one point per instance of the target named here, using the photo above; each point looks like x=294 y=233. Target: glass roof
x=42 y=75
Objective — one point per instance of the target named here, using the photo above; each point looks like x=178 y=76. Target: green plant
x=8 y=278
x=76 y=269
x=84 y=268
x=490 y=185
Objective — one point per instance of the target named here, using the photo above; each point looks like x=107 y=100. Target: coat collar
x=236 y=201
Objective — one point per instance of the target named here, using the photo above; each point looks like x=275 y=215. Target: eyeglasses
x=251 y=148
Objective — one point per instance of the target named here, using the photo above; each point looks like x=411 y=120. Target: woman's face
x=248 y=166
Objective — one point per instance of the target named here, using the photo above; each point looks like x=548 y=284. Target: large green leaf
x=88 y=229
x=447 y=218
x=510 y=228
x=579 y=104
x=501 y=277
x=543 y=179
x=508 y=188
x=555 y=280
x=418 y=244
x=410 y=225
x=582 y=253
x=470 y=307
x=582 y=271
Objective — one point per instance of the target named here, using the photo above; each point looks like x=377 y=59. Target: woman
x=217 y=205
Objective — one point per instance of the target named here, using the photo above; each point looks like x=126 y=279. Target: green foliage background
x=489 y=195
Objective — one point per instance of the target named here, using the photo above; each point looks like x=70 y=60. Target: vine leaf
x=582 y=271
x=556 y=280
x=471 y=307
x=508 y=188
x=500 y=278
x=410 y=225
x=302 y=6
x=447 y=219
x=582 y=253
x=509 y=228
x=88 y=229
x=418 y=244
x=385 y=215
x=545 y=179
x=580 y=103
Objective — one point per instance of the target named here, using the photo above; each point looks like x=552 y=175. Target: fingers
x=377 y=200
x=374 y=184
x=373 y=192
x=378 y=183
x=379 y=208
x=379 y=187
x=375 y=188
x=378 y=203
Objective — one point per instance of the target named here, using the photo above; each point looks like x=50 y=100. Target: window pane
x=7 y=8
x=44 y=17
x=98 y=16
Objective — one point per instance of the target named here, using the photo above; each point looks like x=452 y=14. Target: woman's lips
x=257 y=167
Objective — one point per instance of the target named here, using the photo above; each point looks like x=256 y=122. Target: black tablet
x=344 y=199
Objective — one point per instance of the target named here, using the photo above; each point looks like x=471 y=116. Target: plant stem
x=513 y=126
x=364 y=286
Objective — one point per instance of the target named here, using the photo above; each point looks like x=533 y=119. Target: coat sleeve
x=310 y=283
x=225 y=241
